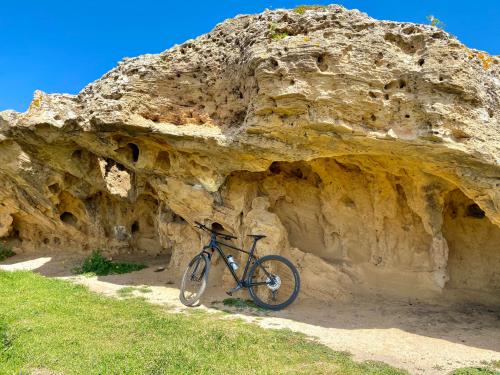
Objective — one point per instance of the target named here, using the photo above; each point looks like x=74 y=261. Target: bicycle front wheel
x=274 y=282
x=194 y=280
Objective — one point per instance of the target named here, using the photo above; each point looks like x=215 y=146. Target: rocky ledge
x=368 y=151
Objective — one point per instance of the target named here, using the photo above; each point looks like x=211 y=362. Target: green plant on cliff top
x=435 y=22
x=301 y=9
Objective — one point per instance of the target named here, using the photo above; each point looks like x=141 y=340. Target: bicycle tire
x=186 y=276
x=253 y=289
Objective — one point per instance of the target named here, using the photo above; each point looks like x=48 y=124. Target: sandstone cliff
x=368 y=151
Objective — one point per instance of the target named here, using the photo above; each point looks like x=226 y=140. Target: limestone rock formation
x=369 y=151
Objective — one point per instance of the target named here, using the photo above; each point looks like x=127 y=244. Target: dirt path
x=422 y=338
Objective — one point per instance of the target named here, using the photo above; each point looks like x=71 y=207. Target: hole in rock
x=68 y=218
x=321 y=62
x=46 y=241
x=54 y=188
x=218 y=227
x=473 y=210
x=135 y=151
x=275 y=167
x=15 y=232
x=421 y=62
x=402 y=84
x=76 y=155
x=120 y=167
x=135 y=227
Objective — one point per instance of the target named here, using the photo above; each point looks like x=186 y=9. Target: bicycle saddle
x=256 y=236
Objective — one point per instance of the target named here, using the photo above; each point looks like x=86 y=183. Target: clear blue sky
x=60 y=46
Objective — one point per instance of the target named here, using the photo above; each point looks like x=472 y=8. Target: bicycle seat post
x=213 y=240
x=254 y=245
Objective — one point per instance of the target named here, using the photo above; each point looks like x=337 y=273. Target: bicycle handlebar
x=206 y=229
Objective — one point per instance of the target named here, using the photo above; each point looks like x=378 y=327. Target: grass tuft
x=5 y=339
x=128 y=291
x=241 y=304
x=475 y=371
x=5 y=252
x=99 y=265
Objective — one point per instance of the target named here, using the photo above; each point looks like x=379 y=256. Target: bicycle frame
x=215 y=245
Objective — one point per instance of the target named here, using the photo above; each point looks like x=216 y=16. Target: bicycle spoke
x=273 y=282
x=192 y=285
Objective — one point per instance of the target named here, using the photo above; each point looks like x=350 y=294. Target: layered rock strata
x=368 y=151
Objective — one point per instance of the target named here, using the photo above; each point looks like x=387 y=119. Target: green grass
x=241 y=304
x=5 y=252
x=128 y=291
x=144 y=289
x=476 y=371
x=58 y=326
x=98 y=264
x=490 y=368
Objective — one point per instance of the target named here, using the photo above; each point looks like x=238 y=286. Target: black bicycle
x=273 y=281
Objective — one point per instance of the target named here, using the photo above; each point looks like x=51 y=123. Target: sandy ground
x=421 y=338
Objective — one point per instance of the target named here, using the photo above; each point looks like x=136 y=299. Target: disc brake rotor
x=273 y=284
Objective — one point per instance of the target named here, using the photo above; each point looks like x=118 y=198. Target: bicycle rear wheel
x=194 y=280
x=274 y=282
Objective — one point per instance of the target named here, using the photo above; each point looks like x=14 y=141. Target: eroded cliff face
x=368 y=152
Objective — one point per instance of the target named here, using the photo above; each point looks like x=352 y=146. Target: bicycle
x=272 y=281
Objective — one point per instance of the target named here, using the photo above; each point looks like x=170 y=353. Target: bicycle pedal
x=235 y=289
